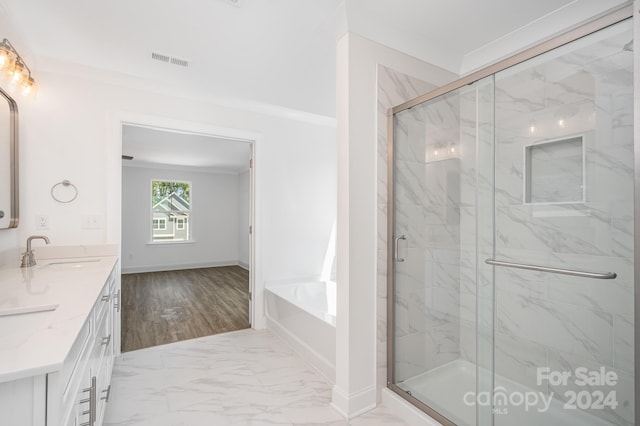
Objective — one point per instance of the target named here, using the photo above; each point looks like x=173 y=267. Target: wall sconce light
x=14 y=69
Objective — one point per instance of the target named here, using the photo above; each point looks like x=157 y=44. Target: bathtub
x=303 y=315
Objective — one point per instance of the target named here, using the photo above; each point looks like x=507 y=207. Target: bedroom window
x=170 y=211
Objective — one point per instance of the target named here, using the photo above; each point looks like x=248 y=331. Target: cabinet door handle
x=116 y=305
x=92 y=403
x=93 y=400
x=108 y=394
x=106 y=340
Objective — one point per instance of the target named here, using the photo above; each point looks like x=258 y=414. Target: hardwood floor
x=166 y=307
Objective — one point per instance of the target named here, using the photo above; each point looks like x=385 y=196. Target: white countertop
x=38 y=343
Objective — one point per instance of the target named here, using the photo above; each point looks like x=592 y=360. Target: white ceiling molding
x=560 y=20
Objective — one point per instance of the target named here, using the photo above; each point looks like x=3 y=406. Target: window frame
x=170 y=236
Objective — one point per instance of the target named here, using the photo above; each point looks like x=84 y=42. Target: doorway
x=187 y=247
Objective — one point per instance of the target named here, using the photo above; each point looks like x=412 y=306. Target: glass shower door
x=512 y=237
x=564 y=198
x=439 y=359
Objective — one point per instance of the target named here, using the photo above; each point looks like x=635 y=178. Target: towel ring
x=65 y=184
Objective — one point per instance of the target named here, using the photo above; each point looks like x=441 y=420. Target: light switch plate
x=91 y=221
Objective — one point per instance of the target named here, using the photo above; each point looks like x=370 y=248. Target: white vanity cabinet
x=56 y=362
x=77 y=394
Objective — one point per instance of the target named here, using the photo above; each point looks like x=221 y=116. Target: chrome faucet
x=28 y=259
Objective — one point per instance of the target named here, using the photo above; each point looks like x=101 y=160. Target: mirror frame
x=13 y=161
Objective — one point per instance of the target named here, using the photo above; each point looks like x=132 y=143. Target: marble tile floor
x=246 y=377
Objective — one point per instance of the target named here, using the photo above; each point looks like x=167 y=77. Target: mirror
x=8 y=161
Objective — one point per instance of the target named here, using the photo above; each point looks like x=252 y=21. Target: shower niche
x=512 y=240
x=554 y=171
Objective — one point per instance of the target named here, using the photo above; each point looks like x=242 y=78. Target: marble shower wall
x=427 y=198
x=552 y=320
x=394 y=88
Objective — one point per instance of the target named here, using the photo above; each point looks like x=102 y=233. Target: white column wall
x=357 y=59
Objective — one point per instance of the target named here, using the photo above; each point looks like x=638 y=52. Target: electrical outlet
x=91 y=221
x=42 y=222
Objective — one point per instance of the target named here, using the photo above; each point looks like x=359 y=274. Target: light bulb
x=28 y=86
x=435 y=152
x=7 y=59
x=561 y=123
x=453 y=149
x=19 y=73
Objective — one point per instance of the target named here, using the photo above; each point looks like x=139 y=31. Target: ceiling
x=275 y=52
x=157 y=147
x=444 y=31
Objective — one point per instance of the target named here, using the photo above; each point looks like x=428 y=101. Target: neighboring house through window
x=159 y=224
x=171 y=211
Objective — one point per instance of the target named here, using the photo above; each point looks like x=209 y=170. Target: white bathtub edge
x=317 y=361
x=406 y=411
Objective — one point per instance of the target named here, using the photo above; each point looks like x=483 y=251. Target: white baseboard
x=179 y=267
x=317 y=361
x=243 y=265
x=407 y=412
x=355 y=404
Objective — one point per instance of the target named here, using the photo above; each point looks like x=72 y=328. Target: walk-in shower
x=512 y=238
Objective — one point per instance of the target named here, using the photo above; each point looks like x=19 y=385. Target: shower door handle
x=584 y=274
x=396 y=247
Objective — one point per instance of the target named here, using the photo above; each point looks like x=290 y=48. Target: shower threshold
x=444 y=389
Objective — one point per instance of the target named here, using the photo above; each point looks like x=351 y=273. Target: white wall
x=244 y=218
x=72 y=131
x=358 y=174
x=214 y=221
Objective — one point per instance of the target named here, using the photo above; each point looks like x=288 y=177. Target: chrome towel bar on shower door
x=597 y=275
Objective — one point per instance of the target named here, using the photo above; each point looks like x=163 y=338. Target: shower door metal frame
x=613 y=17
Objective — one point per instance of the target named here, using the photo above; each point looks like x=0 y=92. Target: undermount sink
x=17 y=328
x=71 y=264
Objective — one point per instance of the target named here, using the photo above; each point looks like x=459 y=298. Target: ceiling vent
x=181 y=62
x=236 y=3
x=169 y=59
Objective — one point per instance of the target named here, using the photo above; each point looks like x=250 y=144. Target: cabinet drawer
x=76 y=355
x=102 y=340
x=103 y=303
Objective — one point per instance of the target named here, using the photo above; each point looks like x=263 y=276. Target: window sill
x=169 y=243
